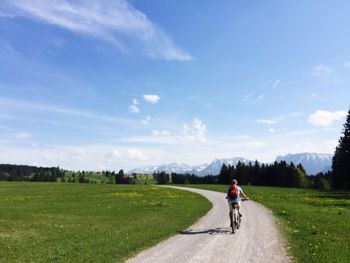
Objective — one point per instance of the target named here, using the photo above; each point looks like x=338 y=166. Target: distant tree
x=162 y=178
x=321 y=182
x=300 y=177
x=112 y=180
x=119 y=177
x=223 y=175
x=4 y=176
x=341 y=159
x=255 y=173
x=82 y=179
x=299 y=166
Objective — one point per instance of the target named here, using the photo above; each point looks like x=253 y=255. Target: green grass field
x=316 y=224
x=55 y=222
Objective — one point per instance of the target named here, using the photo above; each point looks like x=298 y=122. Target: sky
x=117 y=84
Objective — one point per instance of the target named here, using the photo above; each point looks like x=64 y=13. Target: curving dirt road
x=210 y=239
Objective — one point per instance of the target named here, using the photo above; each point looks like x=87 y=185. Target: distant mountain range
x=312 y=163
x=203 y=169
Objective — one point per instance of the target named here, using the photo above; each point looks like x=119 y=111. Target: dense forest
x=12 y=172
x=9 y=172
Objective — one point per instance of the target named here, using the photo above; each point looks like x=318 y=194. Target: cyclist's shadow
x=212 y=231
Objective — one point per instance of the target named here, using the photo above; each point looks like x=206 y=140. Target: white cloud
x=265 y=121
x=194 y=132
x=151 y=98
x=115 y=22
x=271 y=130
x=134 y=109
x=146 y=120
x=321 y=71
x=322 y=118
x=161 y=133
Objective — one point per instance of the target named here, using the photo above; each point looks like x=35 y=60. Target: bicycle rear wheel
x=238 y=222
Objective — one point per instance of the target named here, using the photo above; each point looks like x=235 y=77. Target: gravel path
x=210 y=239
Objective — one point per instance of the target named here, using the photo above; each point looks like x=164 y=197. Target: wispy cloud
x=21 y=104
x=260 y=93
x=151 y=98
x=196 y=131
x=161 y=132
x=23 y=136
x=279 y=118
x=322 y=118
x=276 y=83
x=308 y=131
x=6 y=117
x=321 y=71
x=7 y=50
x=6 y=15
x=7 y=128
x=146 y=120
x=111 y=21
x=265 y=121
x=16 y=133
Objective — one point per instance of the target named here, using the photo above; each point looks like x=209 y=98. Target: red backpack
x=233 y=192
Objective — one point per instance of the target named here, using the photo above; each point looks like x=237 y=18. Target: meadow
x=56 y=222
x=316 y=224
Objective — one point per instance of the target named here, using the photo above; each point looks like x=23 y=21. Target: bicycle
x=235 y=218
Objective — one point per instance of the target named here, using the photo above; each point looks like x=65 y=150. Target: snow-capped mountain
x=313 y=163
x=214 y=167
x=168 y=168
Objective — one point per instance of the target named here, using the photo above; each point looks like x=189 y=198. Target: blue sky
x=121 y=84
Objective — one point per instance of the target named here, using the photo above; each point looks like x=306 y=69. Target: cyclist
x=235 y=200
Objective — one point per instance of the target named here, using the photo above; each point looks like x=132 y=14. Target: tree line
x=10 y=172
x=276 y=174
x=27 y=173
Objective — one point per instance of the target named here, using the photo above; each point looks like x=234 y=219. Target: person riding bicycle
x=233 y=197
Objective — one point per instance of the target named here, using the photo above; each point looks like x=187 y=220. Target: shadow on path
x=214 y=231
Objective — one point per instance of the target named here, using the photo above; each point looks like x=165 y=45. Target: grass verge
x=53 y=222
x=316 y=224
